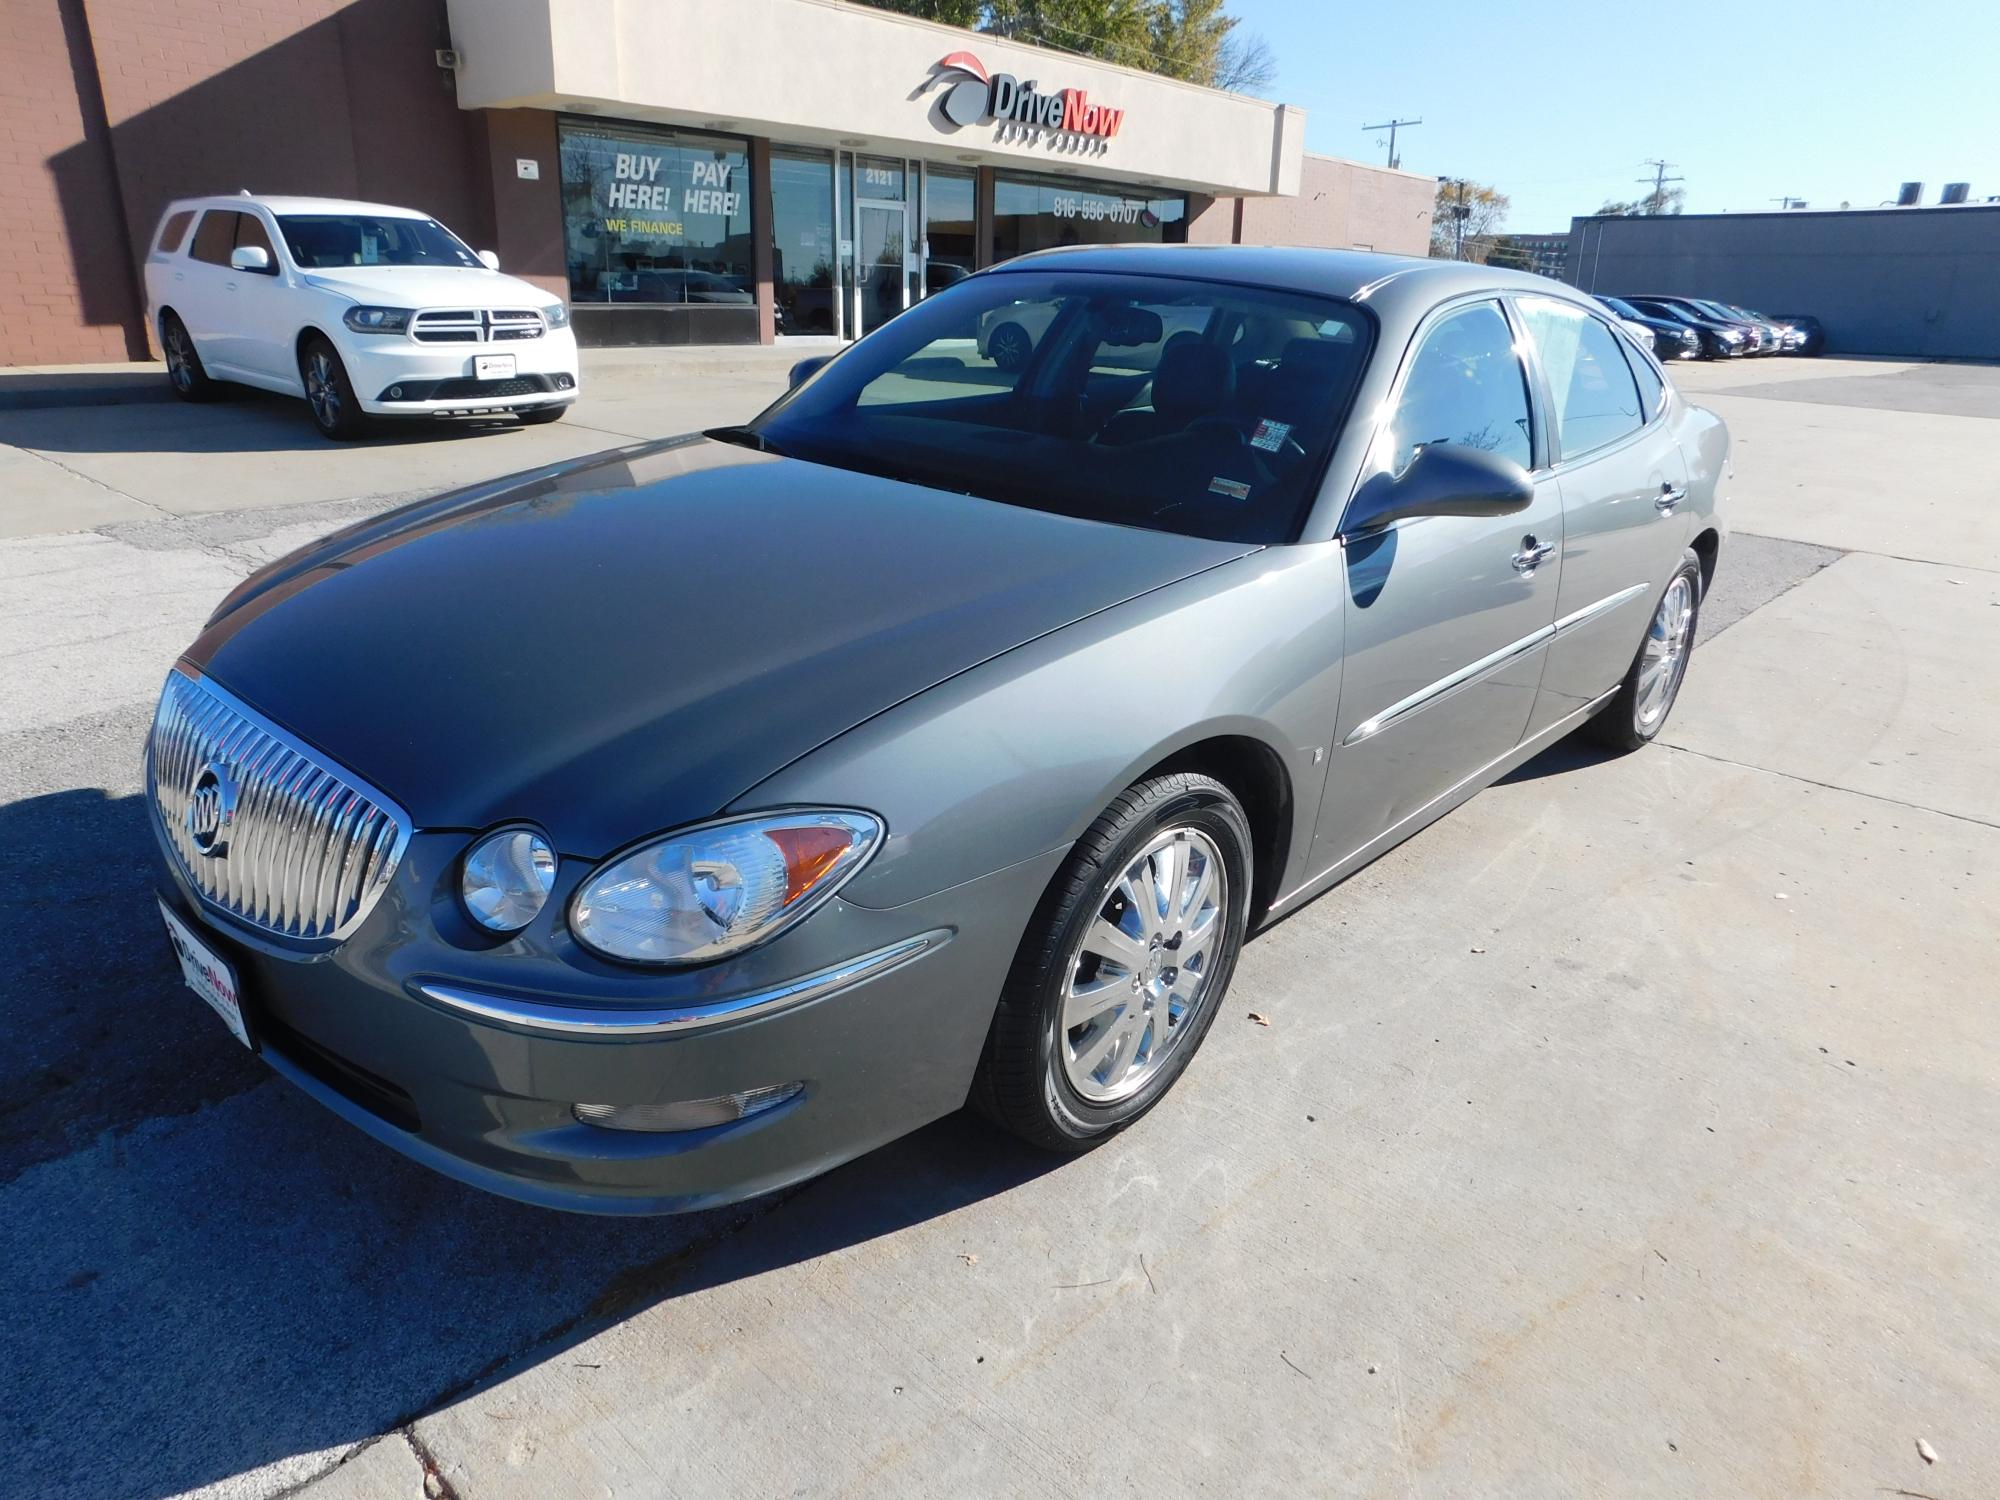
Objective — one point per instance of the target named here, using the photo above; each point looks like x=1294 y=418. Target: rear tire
x=542 y=414
x=1083 y=1044
x=330 y=397
x=1635 y=717
x=185 y=371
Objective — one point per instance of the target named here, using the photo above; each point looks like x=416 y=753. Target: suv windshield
x=323 y=241
x=1182 y=406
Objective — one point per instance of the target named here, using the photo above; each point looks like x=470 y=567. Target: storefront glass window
x=948 y=227
x=1029 y=214
x=656 y=216
x=803 y=242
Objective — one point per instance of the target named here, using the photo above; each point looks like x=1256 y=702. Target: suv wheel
x=184 y=367
x=329 y=393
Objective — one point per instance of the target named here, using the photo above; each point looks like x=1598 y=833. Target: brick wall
x=124 y=105
x=68 y=296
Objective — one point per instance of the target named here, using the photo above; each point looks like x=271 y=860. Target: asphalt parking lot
x=1629 y=1132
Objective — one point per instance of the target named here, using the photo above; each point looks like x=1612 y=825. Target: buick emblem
x=211 y=810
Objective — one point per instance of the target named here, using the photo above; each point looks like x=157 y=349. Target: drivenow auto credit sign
x=1023 y=111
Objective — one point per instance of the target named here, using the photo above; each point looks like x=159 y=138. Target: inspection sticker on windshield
x=1270 y=436
x=1235 y=489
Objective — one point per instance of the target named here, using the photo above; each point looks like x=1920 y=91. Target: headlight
x=558 y=316
x=506 y=878
x=708 y=892
x=1732 y=335
x=377 y=319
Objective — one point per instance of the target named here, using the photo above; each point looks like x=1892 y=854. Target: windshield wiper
x=744 y=437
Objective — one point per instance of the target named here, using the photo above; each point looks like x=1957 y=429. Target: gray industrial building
x=1915 y=282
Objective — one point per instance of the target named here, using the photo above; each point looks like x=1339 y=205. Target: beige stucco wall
x=1340 y=205
x=831 y=73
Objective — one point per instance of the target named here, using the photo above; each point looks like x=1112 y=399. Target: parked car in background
x=361 y=308
x=989 y=720
x=1720 y=339
x=1671 y=338
x=1770 y=337
x=1811 y=332
x=1788 y=338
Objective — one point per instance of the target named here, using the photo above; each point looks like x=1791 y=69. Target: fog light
x=506 y=878
x=395 y=393
x=564 y=382
x=689 y=1114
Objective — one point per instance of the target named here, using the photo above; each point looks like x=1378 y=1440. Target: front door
x=879 y=254
x=1447 y=617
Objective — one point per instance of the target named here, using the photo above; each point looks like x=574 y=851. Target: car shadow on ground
x=242 y=421
x=208 y=1274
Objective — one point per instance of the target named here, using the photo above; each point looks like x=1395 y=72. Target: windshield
x=1182 y=406
x=323 y=241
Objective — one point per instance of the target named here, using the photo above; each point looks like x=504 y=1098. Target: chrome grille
x=287 y=841
x=475 y=325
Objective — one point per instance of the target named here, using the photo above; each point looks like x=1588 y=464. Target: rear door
x=1622 y=480
x=1446 y=616
x=260 y=313
x=199 y=294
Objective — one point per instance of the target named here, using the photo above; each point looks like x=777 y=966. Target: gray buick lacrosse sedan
x=660 y=828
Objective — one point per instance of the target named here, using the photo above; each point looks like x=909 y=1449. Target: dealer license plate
x=208 y=974
x=493 y=366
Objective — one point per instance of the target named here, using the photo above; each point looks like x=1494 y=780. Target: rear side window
x=1651 y=388
x=216 y=237
x=1596 y=399
x=1466 y=386
x=174 y=231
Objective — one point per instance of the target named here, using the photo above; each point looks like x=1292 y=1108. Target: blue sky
x=1559 y=103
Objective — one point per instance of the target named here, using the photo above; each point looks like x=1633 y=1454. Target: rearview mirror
x=1444 y=479
x=250 y=258
x=805 y=369
x=489 y=260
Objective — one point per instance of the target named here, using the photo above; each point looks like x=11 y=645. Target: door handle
x=1669 y=498
x=1532 y=554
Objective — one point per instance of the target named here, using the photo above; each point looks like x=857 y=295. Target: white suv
x=360 y=308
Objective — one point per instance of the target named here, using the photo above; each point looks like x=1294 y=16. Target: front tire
x=1123 y=968
x=1009 y=347
x=1635 y=717
x=185 y=371
x=330 y=397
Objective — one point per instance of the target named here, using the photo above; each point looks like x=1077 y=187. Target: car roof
x=1354 y=275
x=277 y=204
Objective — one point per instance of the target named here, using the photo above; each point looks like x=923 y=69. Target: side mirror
x=1444 y=479
x=489 y=260
x=251 y=258
x=805 y=369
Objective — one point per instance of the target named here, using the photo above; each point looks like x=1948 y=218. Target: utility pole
x=1660 y=181
x=1459 y=212
x=1391 y=126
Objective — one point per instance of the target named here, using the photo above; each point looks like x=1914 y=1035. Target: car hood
x=429 y=286
x=621 y=644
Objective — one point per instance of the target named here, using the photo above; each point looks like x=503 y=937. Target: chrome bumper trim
x=620 y=1024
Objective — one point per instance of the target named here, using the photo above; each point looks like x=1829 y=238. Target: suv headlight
x=377 y=319
x=558 y=315
x=708 y=892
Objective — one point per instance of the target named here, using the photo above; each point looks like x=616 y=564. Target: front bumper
x=443 y=379
x=377 y=1029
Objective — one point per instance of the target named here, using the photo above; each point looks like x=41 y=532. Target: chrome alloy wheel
x=1138 y=976
x=1664 y=655
x=180 y=357
x=323 y=389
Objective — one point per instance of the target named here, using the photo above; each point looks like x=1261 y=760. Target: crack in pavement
x=1830 y=786
x=93 y=480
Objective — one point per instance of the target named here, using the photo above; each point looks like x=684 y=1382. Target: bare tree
x=1246 y=65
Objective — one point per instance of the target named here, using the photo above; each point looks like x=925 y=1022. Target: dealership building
x=683 y=171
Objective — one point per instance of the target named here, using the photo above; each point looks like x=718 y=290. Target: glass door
x=879 y=281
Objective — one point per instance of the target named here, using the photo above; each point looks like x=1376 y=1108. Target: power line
x=1392 y=126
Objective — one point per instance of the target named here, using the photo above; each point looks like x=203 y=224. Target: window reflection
x=656 y=216
x=802 y=240
x=1034 y=215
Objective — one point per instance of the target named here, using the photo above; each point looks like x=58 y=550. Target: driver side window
x=1467 y=386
